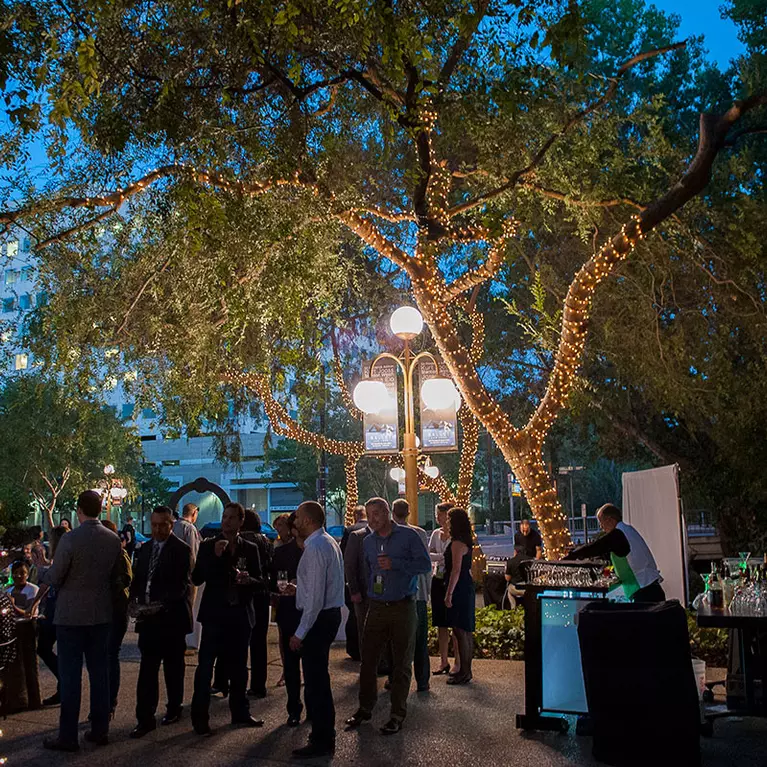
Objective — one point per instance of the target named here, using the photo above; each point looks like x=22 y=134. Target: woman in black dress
x=459 y=596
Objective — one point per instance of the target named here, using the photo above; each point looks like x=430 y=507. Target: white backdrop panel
x=651 y=505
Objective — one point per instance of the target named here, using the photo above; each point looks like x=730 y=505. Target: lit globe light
x=397 y=474
x=431 y=471
x=109 y=469
x=439 y=393
x=406 y=323
x=371 y=396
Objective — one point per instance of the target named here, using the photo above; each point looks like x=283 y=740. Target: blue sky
x=702 y=17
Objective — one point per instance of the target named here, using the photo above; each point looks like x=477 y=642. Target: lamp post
x=114 y=492
x=371 y=395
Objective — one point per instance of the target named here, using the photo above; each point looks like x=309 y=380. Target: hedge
x=500 y=635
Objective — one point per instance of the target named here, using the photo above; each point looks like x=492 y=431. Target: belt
x=393 y=602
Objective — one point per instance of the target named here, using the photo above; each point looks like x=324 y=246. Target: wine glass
x=744 y=555
x=282 y=580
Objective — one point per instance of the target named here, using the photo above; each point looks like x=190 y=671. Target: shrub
x=500 y=635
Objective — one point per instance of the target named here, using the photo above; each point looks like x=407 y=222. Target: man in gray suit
x=83 y=572
x=356 y=576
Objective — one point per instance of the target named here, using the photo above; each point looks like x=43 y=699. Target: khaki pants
x=193 y=639
x=391 y=623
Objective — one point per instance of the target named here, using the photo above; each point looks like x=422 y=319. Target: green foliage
x=55 y=444
x=709 y=645
x=499 y=634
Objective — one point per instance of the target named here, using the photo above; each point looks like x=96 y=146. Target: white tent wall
x=651 y=504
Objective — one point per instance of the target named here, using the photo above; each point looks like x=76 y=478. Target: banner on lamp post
x=439 y=427
x=381 y=429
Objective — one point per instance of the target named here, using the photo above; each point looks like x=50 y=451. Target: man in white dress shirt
x=319 y=597
x=185 y=529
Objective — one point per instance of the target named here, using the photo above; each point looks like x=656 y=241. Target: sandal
x=441 y=671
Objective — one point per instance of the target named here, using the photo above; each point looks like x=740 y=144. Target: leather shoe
x=256 y=693
x=357 y=718
x=392 y=727
x=293 y=721
x=54 y=700
x=97 y=740
x=54 y=744
x=249 y=721
x=219 y=691
x=203 y=729
x=142 y=729
x=313 y=750
x=171 y=718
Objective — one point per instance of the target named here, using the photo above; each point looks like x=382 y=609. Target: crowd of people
x=214 y=596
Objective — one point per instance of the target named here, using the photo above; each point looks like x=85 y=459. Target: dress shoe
x=441 y=670
x=173 y=718
x=314 y=750
x=293 y=721
x=97 y=740
x=459 y=679
x=248 y=721
x=203 y=729
x=143 y=729
x=357 y=718
x=253 y=693
x=392 y=727
x=219 y=691
x=54 y=744
x=54 y=700
x=424 y=688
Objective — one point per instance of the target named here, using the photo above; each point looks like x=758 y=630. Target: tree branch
x=578 y=303
x=140 y=293
x=115 y=198
x=371 y=235
x=570 y=123
x=462 y=42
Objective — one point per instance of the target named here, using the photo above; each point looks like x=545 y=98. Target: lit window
x=11 y=275
x=9 y=304
x=22 y=361
x=25 y=301
x=13 y=248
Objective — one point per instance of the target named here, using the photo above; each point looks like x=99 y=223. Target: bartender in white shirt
x=319 y=597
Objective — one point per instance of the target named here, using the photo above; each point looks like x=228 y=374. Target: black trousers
x=229 y=643
x=319 y=695
x=160 y=645
x=116 y=635
x=352 y=630
x=291 y=667
x=652 y=593
x=258 y=654
x=46 y=638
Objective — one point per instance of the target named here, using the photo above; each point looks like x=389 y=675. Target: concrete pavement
x=450 y=726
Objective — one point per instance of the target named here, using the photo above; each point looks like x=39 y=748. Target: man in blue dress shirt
x=394 y=558
x=319 y=597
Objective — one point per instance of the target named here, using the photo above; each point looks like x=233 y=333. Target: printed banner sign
x=382 y=429
x=439 y=432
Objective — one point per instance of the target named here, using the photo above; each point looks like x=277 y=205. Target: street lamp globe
x=397 y=474
x=109 y=469
x=406 y=323
x=439 y=393
x=430 y=470
x=371 y=396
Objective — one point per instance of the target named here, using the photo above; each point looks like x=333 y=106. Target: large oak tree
x=230 y=175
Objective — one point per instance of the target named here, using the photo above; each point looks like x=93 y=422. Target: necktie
x=153 y=560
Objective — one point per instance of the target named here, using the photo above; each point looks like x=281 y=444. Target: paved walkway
x=448 y=727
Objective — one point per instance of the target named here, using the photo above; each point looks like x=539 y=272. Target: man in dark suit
x=353 y=631
x=230 y=568
x=84 y=573
x=161 y=596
